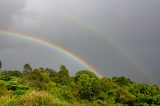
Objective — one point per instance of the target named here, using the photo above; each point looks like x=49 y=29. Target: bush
x=34 y=98
x=19 y=92
x=5 y=77
x=14 y=86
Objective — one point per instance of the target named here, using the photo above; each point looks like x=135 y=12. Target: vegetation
x=0 y=64
x=47 y=87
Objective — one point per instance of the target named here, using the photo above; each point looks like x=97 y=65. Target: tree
x=63 y=72
x=42 y=69
x=88 y=84
x=85 y=72
x=49 y=71
x=122 y=81
x=38 y=80
x=52 y=74
x=63 y=75
x=124 y=96
x=12 y=73
x=108 y=84
x=27 y=69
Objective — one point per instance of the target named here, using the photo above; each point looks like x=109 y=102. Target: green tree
x=63 y=75
x=85 y=72
x=124 y=96
x=63 y=72
x=38 y=80
x=12 y=73
x=27 y=69
x=122 y=81
x=50 y=72
x=42 y=69
x=88 y=84
x=107 y=84
x=156 y=99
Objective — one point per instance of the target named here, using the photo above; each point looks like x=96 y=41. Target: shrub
x=34 y=98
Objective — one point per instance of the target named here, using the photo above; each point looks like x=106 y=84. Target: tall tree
x=27 y=68
x=63 y=73
x=87 y=84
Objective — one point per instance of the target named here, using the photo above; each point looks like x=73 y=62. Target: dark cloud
x=132 y=26
x=10 y=10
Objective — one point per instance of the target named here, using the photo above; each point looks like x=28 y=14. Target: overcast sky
x=118 y=37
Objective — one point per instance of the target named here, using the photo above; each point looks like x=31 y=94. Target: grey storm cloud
x=9 y=10
x=133 y=26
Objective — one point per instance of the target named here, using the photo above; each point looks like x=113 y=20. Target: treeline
x=47 y=87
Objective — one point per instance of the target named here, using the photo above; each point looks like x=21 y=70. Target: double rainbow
x=52 y=45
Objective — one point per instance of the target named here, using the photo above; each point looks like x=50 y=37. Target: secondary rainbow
x=87 y=26
x=50 y=45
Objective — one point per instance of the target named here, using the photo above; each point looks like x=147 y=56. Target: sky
x=117 y=37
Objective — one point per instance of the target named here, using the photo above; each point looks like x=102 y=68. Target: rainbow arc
x=52 y=46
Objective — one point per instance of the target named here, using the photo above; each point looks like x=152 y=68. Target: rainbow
x=87 y=26
x=52 y=46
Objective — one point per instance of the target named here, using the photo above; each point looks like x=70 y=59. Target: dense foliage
x=47 y=87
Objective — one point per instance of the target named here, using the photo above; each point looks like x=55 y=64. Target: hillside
x=47 y=87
